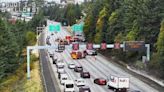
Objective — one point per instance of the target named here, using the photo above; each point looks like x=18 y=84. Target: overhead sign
x=75 y=46
x=117 y=45
x=103 y=46
x=134 y=45
x=54 y=28
x=77 y=27
x=89 y=46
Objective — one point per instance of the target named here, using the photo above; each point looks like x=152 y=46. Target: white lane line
x=93 y=76
x=133 y=81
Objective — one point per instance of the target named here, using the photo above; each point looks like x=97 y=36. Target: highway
x=49 y=81
x=97 y=66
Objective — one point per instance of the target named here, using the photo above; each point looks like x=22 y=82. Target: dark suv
x=85 y=74
x=78 y=69
x=84 y=89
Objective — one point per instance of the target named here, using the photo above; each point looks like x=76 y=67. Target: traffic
x=79 y=69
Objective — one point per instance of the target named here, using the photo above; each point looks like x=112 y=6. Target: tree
x=8 y=51
x=100 y=28
x=160 y=41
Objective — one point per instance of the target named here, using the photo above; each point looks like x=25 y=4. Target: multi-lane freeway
x=98 y=66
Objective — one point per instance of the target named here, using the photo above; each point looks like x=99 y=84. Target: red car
x=100 y=81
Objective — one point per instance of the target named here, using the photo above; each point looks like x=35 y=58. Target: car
x=60 y=69
x=51 y=54
x=58 y=50
x=59 y=63
x=54 y=59
x=69 y=86
x=59 y=74
x=78 y=69
x=61 y=47
x=52 y=34
x=63 y=78
x=84 y=89
x=85 y=74
x=57 y=40
x=100 y=81
x=71 y=66
x=66 y=42
x=91 y=52
x=48 y=41
x=135 y=91
x=80 y=82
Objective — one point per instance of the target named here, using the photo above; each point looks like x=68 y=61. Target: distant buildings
x=20 y=10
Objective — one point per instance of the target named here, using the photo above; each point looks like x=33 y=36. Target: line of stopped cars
x=117 y=84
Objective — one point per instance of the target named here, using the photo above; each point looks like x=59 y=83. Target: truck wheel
x=109 y=87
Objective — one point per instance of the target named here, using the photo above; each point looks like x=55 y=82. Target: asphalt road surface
x=47 y=75
x=98 y=67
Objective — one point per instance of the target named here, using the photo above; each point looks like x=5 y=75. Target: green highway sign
x=53 y=27
x=77 y=27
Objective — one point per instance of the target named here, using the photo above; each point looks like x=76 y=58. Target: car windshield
x=79 y=67
x=64 y=78
x=85 y=87
x=69 y=86
x=60 y=67
x=86 y=74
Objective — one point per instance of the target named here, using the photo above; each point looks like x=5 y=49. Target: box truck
x=118 y=84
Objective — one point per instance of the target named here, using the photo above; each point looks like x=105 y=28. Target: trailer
x=118 y=84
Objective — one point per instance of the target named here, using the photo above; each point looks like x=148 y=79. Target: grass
x=18 y=82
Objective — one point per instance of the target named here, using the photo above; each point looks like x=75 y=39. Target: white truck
x=118 y=84
x=69 y=86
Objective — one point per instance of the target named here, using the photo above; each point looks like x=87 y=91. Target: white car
x=51 y=54
x=60 y=69
x=54 y=59
x=80 y=82
x=63 y=78
x=91 y=52
x=71 y=66
x=60 y=63
x=69 y=86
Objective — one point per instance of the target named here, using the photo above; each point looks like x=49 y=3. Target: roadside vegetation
x=68 y=15
x=128 y=20
x=14 y=37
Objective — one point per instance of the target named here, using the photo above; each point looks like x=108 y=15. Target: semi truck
x=118 y=84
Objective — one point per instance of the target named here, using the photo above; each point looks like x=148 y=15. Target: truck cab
x=77 y=54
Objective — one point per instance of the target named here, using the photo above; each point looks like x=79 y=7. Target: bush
x=34 y=58
x=139 y=65
x=30 y=38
